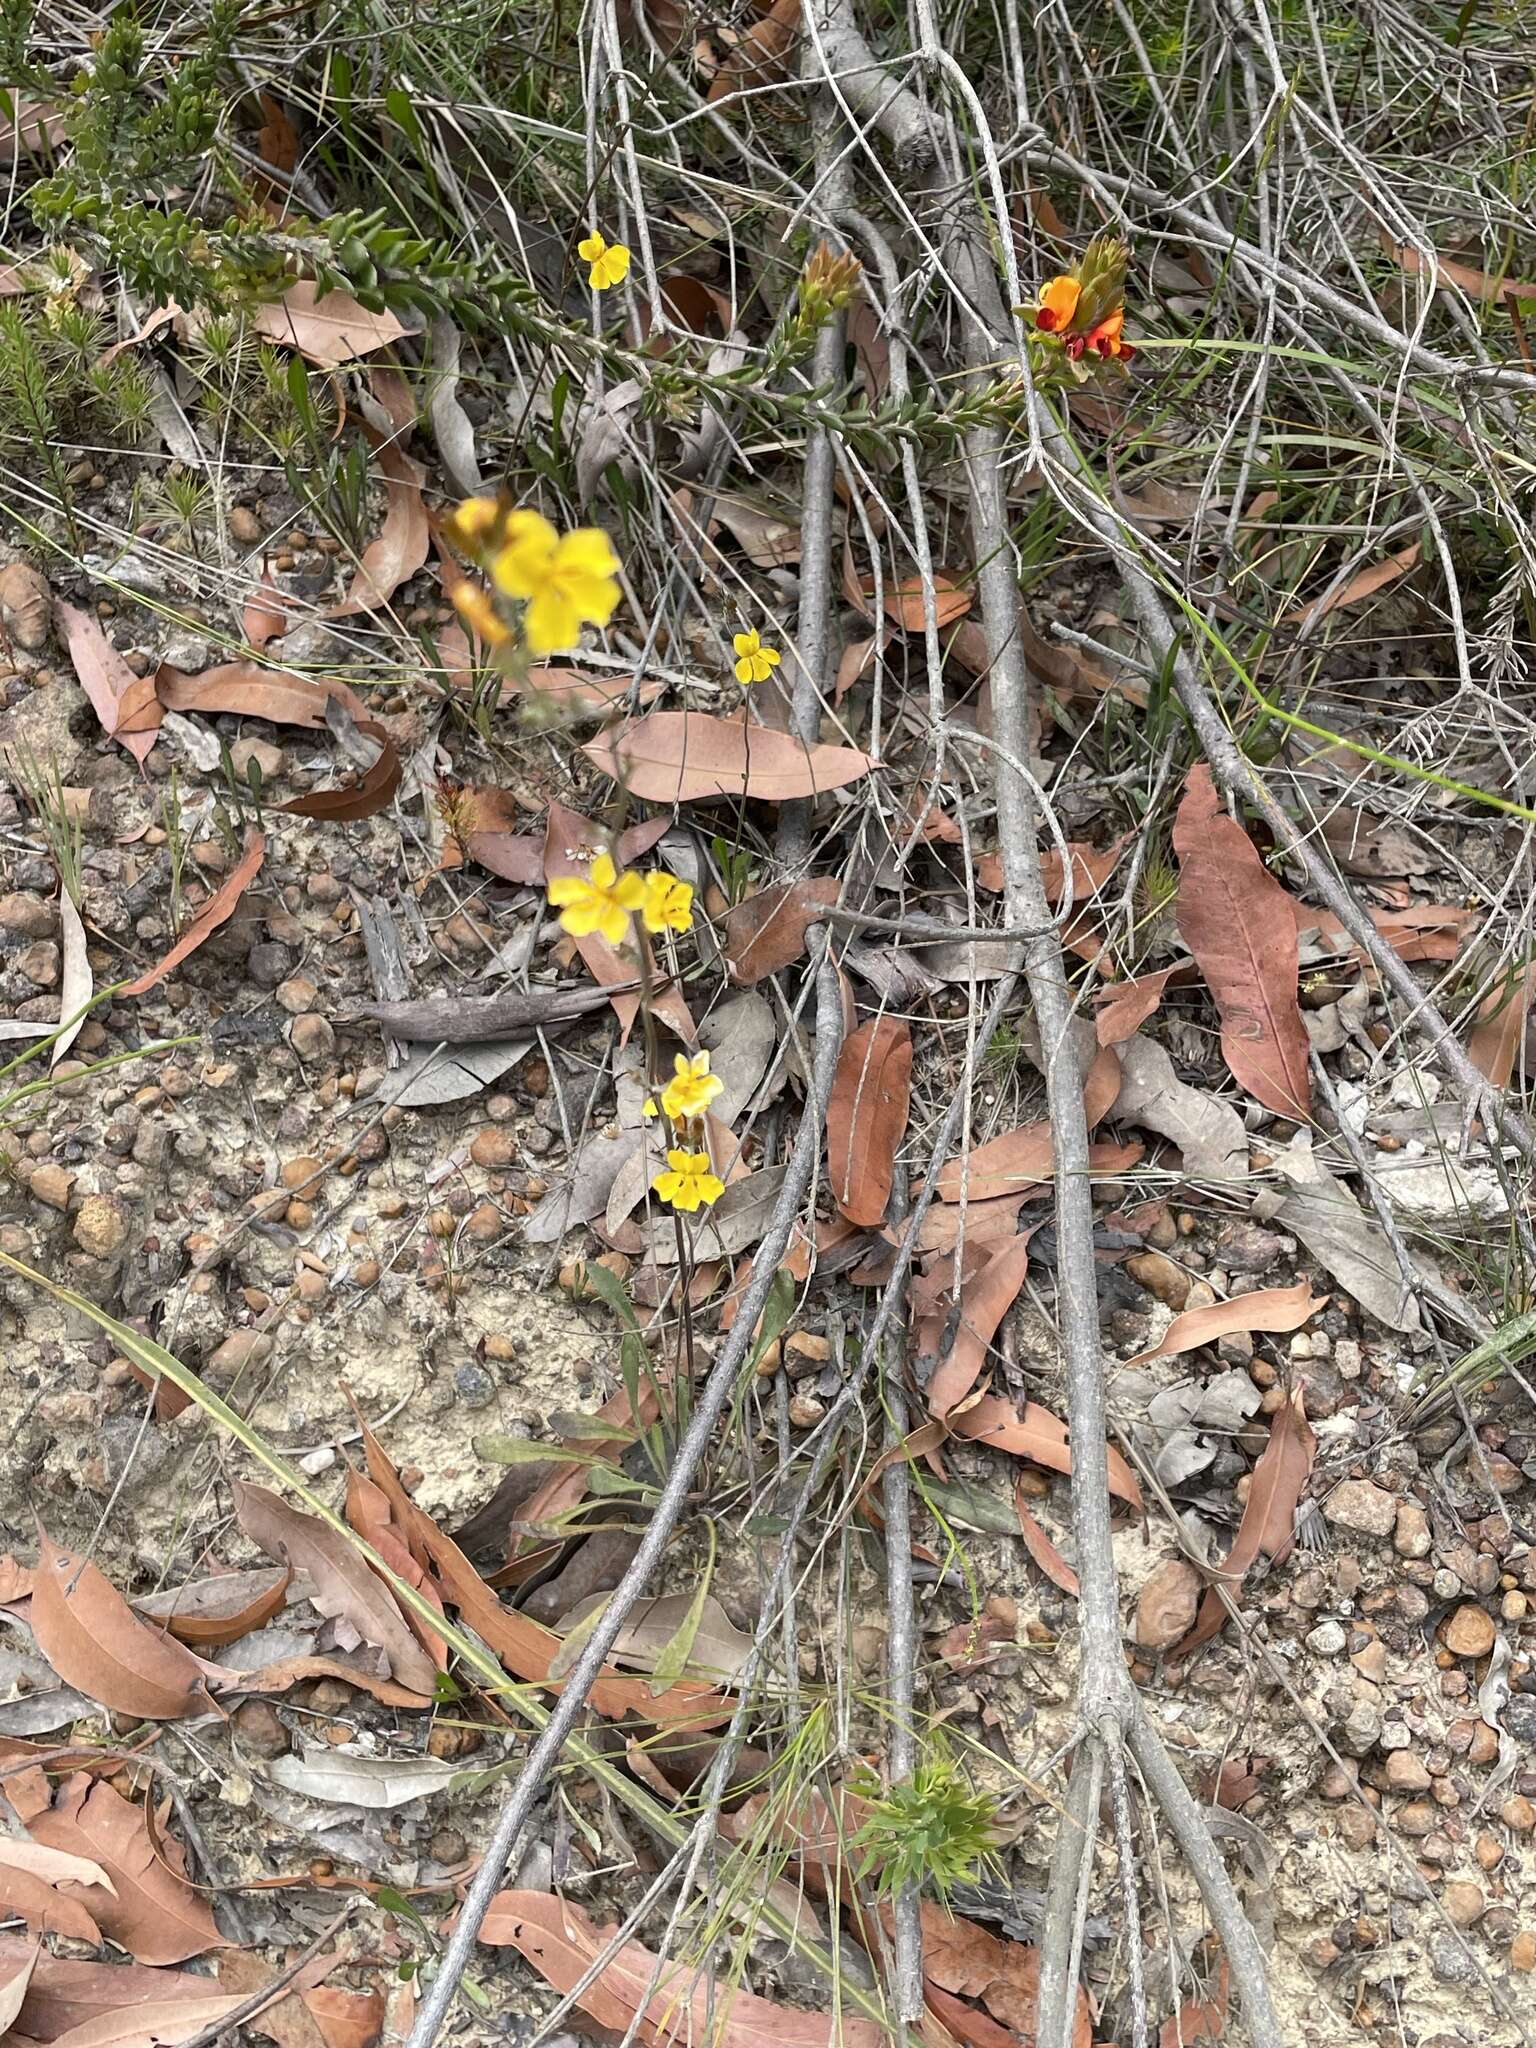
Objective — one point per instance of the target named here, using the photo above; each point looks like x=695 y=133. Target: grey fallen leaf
x=632 y=1182
x=451 y=427
x=768 y=536
x=605 y=435
x=346 y=1832
x=17 y=1028
x=76 y=986
x=1208 y=1132
x=200 y=745
x=1183 y=1425
x=463 y=1020
x=1442 y=1192
x=720 y=1649
x=375 y=1782
x=741 y=1037
x=267 y=1646
x=1351 y=1246
x=427 y=1076
x=584 y=1191
x=43 y=1713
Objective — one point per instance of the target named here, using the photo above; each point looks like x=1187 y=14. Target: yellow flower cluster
x=690 y=1091
x=564 y=581
x=604 y=901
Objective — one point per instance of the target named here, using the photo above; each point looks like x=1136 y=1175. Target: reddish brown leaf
x=97 y=1644
x=767 y=930
x=973 y=1645
x=565 y=1485
x=1042 y=1549
x=292 y=1671
x=125 y=703
x=1499 y=1030
x=904 y=601
x=1268 y=1523
x=569 y=689
x=346 y=2019
x=156 y=1915
x=251 y=691
x=964 y=1960
x=265 y=615
x=219 y=909
x=1020 y=1158
x=1038 y=1435
x=30 y=1875
x=1477 y=284
x=211 y=1612
x=762 y=56
x=57 y=1996
x=675 y=757
x=1267 y=1308
x=984 y=1300
x=285 y=2020
x=1426 y=931
x=1235 y=918
x=368 y=1510
x=521 y=1643
x=328 y=331
x=364 y=798
x=570 y=845
x=867 y=1117
x=1126 y=1005
x=403 y=542
x=1368 y=581
x=1199 y=2022
x=345 y=1584
x=674 y=2001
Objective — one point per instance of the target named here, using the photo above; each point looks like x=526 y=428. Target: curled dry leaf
x=1499 y=1032
x=1269 y=1518
x=1019 y=1159
x=251 y=691
x=763 y=54
x=965 y=1960
x=1042 y=1549
x=670 y=2002
x=1124 y=1006
x=1035 y=1433
x=345 y=1585
x=326 y=330
x=1476 y=283
x=1365 y=584
x=219 y=909
x=26 y=605
x=368 y=1510
x=346 y=2019
x=266 y=613
x=766 y=931
x=985 y=1299
x=1235 y=918
x=125 y=703
x=98 y=1645
x=402 y=545
x=29 y=1873
x=867 y=1117
x=211 y=1612
x=366 y=797
x=150 y=1910
x=76 y=986
x=673 y=757
x=1272 y=1309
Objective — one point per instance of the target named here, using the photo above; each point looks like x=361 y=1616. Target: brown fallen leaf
x=328 y=331
x=1042 y=1549
x=265 y=614
x=368 y=1511
x=1425 y=931
x=673 y=757
x=54 y=1995
x=867 y=1117
x=1272 y=1309
x=565 y=1485
x=1499 y=1029
x=15 y=1983
x=286 y=2021
x=26 y=605
x=151 y=1911
x=570 y=845
x=630 y=1986
x=526 y=1648
x=1235 y=918
x=345 y=2019
x=29 y=1875
x=96 y=1643
x=985 y=1299
x=29 y=125
x=762 y=56
x=965 y=1960
x=1038 y=1435
x=1269 y=1518
x=462 y=1020
x=402 y=545
x=251 y=691
x=126 y=704
x=345 y=1585
x=292 y=1671
x=766 y=931
x=1477 y=284
x=211 y=1612
x=1362 y=585
x=365 y=798
x=219 y=909
x=1005 y=1165
x=1124 y=1006
x=903 y=601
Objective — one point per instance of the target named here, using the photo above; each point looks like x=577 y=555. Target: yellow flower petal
x=551 y=623
x=592 y=248
x=745 y=643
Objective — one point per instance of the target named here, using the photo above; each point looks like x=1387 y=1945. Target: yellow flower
x=668 y=904
x=609 y=261
x=754 y=662
x=475 y=608
x=1058 y=304
x=692 y=1087
x=603 y=902
x=472 y=523
x=689 y=1184
x=567 y=580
